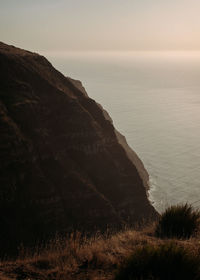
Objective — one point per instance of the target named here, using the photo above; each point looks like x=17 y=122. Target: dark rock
x=61 y=164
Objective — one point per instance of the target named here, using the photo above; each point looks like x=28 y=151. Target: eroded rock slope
x=61 y=164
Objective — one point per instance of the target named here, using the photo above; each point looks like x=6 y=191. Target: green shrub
x=180 y=221
x=166 y=262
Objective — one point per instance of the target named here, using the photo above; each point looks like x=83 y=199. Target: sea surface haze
x=154 y=100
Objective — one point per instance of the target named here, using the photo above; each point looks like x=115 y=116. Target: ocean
x=154 y=101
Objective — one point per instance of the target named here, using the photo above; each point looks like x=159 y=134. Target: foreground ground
x=77 y=258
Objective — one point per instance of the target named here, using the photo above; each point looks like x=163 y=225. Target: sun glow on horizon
x=87 y=25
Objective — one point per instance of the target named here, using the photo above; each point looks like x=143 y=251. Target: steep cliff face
x=61 y=164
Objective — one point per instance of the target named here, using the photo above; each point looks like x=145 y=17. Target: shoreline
x=131 y=154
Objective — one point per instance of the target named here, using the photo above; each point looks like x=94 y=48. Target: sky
x=101 y=25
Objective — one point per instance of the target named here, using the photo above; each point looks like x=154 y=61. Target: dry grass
x=76 y=257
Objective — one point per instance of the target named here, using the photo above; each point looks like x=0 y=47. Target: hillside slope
x=61 y=164
x=97 y=258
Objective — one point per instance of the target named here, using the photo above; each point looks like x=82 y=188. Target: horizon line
x=62 y=52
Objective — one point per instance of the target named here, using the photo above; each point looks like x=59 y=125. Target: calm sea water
x=154 y=100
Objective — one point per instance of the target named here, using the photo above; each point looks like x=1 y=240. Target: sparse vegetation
x=180 y=221
x=99 y=257
x=168 y=261
x=104 y=257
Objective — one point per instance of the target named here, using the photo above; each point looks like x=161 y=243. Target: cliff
x=62 y=164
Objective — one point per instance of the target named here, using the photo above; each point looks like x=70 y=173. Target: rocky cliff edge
x=63 y=166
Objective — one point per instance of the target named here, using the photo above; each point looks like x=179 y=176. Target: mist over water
x=154 y=100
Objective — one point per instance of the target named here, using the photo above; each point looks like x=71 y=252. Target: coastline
x=134 y=158
x=132 y=155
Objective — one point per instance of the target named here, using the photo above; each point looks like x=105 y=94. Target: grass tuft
x=166 y=262
x=179 y=221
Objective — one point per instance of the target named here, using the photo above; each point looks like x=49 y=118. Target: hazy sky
x=59 y=25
